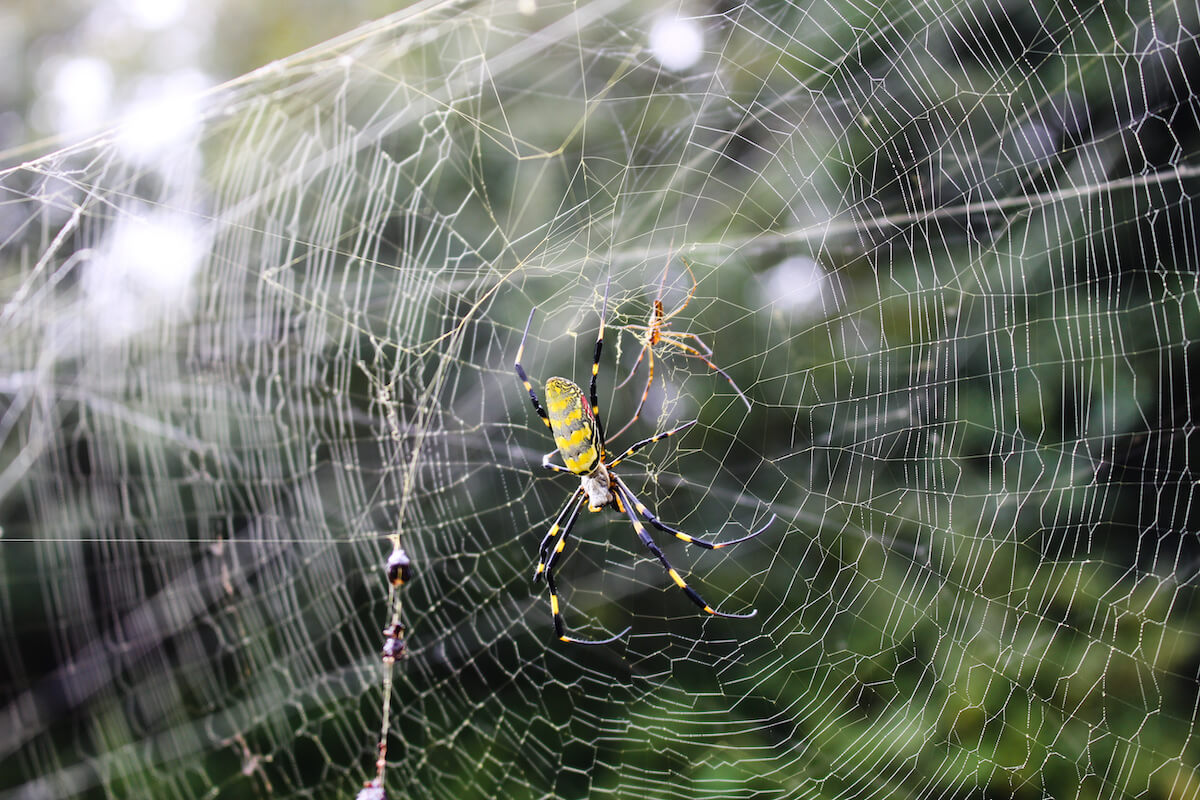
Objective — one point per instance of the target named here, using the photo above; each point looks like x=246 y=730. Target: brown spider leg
x=673 y=338
x=663 y=320
x=678 y=534
x=692 y=594
x=641 y=354
x=648 y=349
x=569 y=513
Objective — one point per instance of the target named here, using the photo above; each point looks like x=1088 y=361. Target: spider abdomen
x=573 y=425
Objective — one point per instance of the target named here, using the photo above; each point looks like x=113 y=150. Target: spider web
x=947 y=250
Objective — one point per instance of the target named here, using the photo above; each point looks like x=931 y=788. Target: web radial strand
x=943 y=259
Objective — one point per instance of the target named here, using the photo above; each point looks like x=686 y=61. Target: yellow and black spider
x=579 y=437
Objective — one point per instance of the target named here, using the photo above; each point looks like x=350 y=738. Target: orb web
x=947 y=252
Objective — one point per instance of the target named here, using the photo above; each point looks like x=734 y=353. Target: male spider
x=579 y=436
x=655 y=332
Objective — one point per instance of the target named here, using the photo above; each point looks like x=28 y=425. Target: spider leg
x=548 y=553
x=642 y=534
x=674 y=338
x=596 y=371
x=560 y=627
x=678 y=534
x=641 y=354
x=525 y=378
x=644 y=442
x=647 y=350
x=691 y=292
x=550 y=465
x=701 y=349
x=570 y=512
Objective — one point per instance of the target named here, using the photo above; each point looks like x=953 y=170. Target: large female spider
x=579 y=436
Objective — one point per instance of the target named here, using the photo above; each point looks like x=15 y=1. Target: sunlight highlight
x=795 y=285
x=166 y=117
x=78 y=95
x=143 y=273
x=676 y=42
